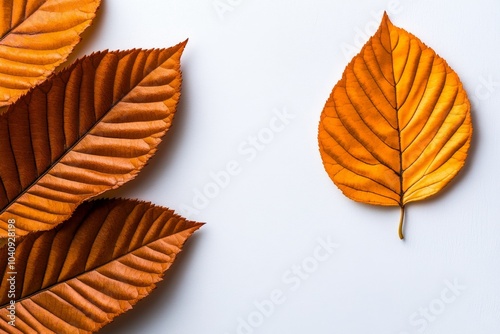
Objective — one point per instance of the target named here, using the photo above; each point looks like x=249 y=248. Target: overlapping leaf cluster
x=68 y=137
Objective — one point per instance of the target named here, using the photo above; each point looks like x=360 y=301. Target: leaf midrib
x=397 y=108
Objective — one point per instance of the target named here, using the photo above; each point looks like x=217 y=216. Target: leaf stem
x=401 y=222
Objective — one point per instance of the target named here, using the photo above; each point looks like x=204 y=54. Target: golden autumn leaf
x=397 y=126
x=35 y=37
x=78 y=277
x=88 y=129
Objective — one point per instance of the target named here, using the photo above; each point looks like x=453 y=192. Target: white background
x=241 y=66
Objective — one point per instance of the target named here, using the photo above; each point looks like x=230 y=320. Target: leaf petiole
x=401 y=222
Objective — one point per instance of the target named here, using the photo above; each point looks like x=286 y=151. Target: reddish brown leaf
x=78 y=277
x=87 y=129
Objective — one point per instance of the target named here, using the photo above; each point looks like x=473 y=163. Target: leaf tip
x=182 y=45
x=196 y=227
x=386 y=21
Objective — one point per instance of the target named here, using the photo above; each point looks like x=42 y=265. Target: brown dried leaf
x=88 y=129
x=77 y=277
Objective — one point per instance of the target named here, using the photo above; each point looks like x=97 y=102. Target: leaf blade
x=72 y=282
x=35 y=37
x=103 y=119
x=397 y=126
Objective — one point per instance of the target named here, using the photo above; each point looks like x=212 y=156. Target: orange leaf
x=87 y=129
x=397 y=126
x=35 y=37
x=77 y=277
